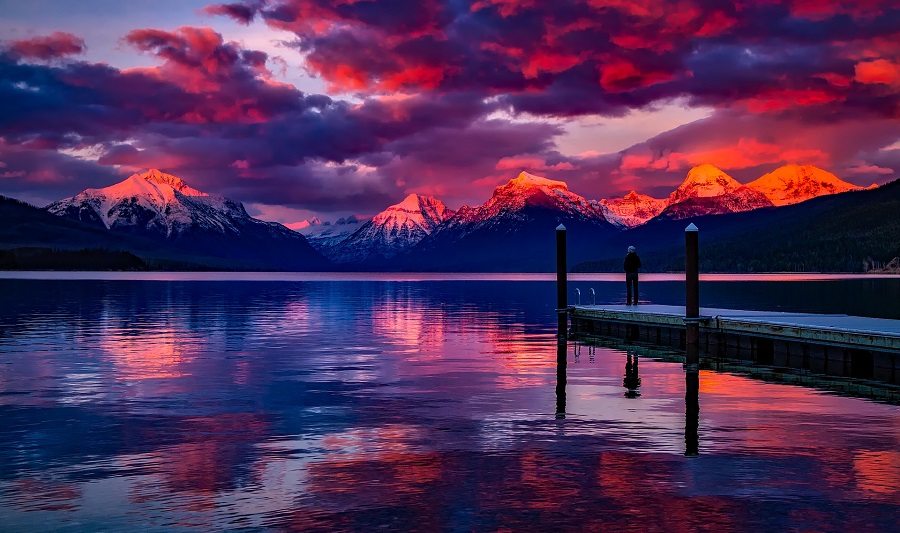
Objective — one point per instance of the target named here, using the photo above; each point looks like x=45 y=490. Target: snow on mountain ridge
x=156 y=176
x=633 y=209
x=704 y=181
x=394 y=230
x=152 y=202
x=791 y=184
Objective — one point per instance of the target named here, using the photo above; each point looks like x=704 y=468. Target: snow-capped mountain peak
x=704 y=181
x=709 y=191
x=426 y=212
x=155 y=176
x=154 y=203
x=633 y=209
x=392 y=231
x=526 y=180
x=791 y=184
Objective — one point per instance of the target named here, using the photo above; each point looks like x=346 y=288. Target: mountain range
x=159 y=207
x=158 y=216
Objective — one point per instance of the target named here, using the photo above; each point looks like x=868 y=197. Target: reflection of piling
x=560 y=378
x=561 y=282
x=691 y=413
x=692 y=296
x=632 y=381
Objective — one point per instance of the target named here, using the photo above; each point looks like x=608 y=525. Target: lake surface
x=401 y=402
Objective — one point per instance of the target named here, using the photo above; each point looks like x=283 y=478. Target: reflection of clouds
x=405 y=321
x=878 y=474
x=150 y=353
x=217 y=458
x=34 y=494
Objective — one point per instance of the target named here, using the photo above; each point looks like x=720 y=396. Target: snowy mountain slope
x=791 y=184
x=324 y=236
x=709 y=191
x=632 y=210
x=394 y=230
x=513 y=230
x=161 y=206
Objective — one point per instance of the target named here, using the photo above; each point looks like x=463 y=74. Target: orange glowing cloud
x=746 y=153
x=879 y=71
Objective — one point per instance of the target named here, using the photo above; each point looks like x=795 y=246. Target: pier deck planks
x=838 y=330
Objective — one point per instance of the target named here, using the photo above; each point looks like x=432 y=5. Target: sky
x=302 y=108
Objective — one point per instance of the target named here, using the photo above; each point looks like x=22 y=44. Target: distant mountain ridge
x=504 y=231
x=420 y=232
x=160 y=206
x=393 y=231
x=792 y=184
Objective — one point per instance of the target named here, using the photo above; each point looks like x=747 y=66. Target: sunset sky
x=336 y=107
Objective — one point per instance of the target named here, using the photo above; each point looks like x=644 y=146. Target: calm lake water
x=404 y=402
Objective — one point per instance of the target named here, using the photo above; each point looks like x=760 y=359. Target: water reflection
x=402 y=406
x=632 y=381
x=561 y=369
x=691 y=413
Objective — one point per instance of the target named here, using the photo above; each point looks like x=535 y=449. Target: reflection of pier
x=632 y=383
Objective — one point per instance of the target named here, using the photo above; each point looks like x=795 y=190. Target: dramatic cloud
x=54 y=46
x=455 y=97
x=595 y=56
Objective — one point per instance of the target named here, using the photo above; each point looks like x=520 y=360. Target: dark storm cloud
x=597 y=56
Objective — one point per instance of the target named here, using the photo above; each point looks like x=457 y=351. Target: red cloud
x=619 y=74
x=54 y=46
x=785 y=99
x=878 y=71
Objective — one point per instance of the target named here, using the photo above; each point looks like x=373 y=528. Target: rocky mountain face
x=512 y=230
x=792 y=184
x=518 y=199
x=709 y=191
x=160 y=206
x=324 y=236
x=393 y=231
x=632 y=210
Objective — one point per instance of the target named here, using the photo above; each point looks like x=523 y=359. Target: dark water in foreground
x=412 y=405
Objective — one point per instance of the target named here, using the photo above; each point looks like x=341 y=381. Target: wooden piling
x=561 y=281
x=692 y=296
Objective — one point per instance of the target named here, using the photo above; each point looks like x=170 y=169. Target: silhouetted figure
x=691 y=413
x=631 y=266
x=632 y=380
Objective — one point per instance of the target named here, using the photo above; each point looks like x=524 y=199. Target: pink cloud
x=530 y=163
x=54 y=46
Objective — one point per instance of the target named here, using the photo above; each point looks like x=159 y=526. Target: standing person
x=632 y=265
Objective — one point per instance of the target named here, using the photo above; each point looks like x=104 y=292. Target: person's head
x=631 y=250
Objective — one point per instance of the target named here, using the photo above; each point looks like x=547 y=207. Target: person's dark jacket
x=632 y=263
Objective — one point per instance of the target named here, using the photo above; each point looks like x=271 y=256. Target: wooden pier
x=835 y=345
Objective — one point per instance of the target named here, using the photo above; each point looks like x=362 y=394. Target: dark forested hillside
x=828 y=234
